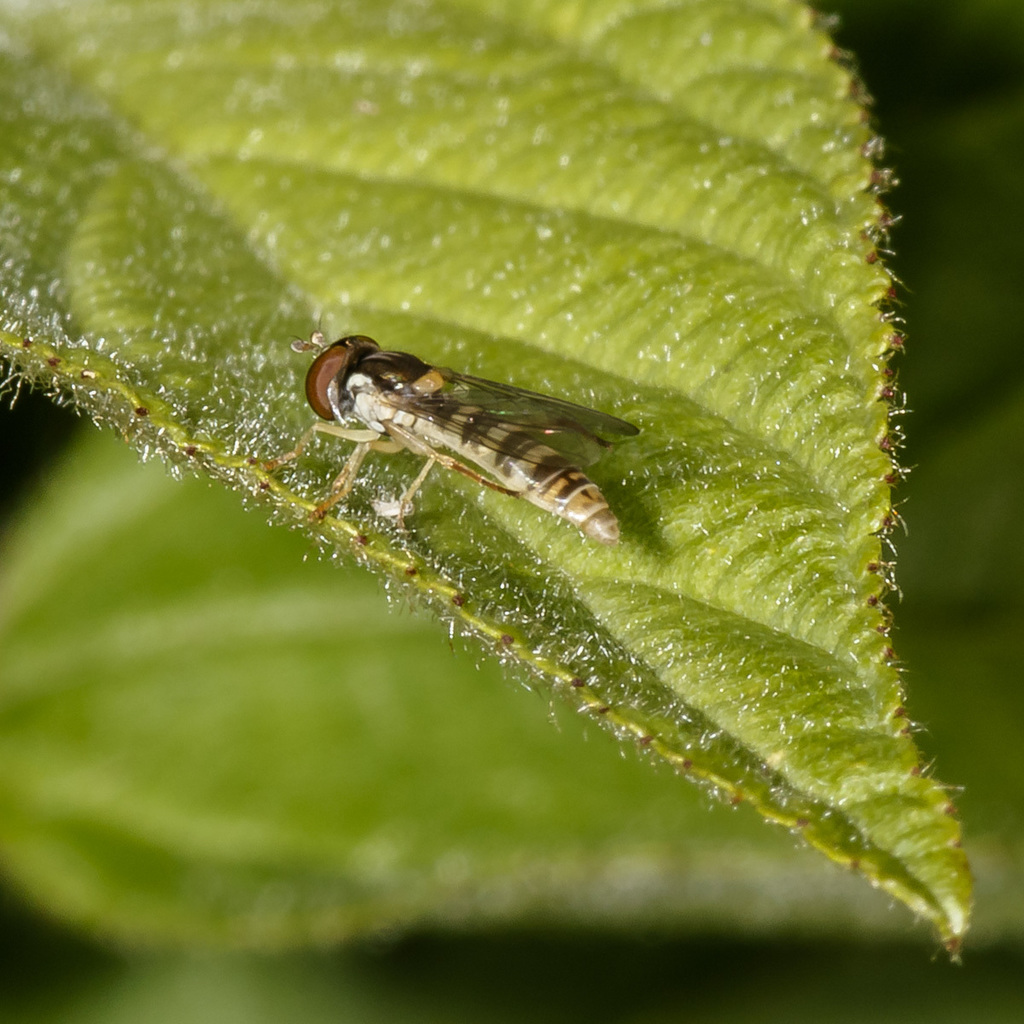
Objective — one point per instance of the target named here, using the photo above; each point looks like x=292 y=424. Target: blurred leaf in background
x=719 y=870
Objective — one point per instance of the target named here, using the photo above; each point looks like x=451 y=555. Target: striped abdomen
x=570 y=494
x=534 y=471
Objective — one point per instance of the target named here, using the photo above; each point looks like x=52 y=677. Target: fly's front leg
x=271 y=464
x=321 y=427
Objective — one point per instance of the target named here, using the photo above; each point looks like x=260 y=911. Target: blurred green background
x=948 y=80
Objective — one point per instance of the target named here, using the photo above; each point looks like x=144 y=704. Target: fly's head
x=326 y=389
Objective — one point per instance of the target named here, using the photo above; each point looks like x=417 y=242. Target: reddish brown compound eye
x=333 y=364
x=322 y=371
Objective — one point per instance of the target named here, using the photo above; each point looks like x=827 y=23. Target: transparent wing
x=499 y=415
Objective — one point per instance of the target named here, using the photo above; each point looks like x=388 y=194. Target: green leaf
x=662 y=213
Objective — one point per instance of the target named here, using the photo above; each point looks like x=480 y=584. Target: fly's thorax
x=395 y=371
x=377 y=387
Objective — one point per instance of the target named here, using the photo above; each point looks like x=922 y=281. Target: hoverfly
x=531 y=446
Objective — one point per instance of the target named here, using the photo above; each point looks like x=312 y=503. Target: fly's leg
x=460 y=467
x=414 y=444
x=366 y=441
x=399 y=509
x=406 y=498
x=344 y=480
x=347 y=477
x=320 y=427
x=271 y=464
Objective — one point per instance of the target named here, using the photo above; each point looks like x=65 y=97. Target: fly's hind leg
x=414 y=444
